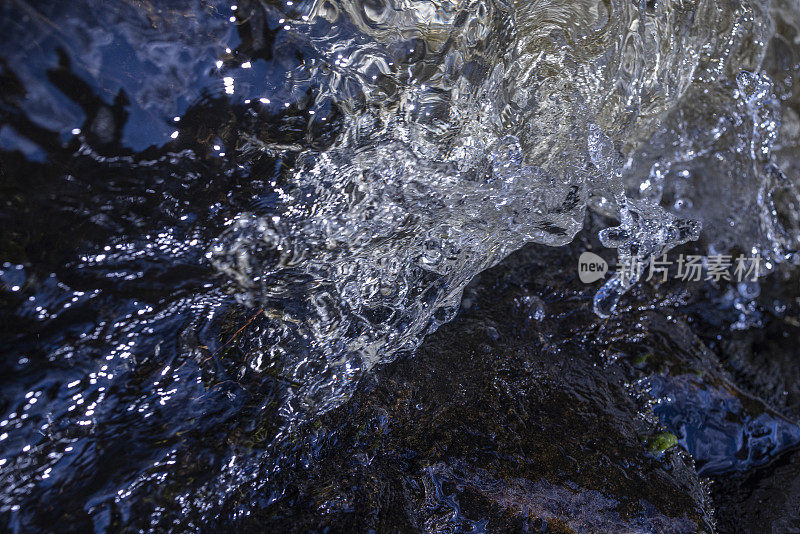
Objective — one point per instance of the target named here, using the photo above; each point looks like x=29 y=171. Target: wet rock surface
x=509 y=419
x=765 y=500
x=500 y=422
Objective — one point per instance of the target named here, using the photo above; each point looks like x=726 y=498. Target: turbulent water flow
x=471 y=128
x=341 y=170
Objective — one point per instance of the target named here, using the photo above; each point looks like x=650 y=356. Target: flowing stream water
x=221 y=220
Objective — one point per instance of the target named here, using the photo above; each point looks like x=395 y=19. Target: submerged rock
x=498 y=423
x=503 y=422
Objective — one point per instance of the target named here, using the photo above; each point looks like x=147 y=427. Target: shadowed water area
x=313 y=266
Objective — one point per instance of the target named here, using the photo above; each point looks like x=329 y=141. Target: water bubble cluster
x=471 y=128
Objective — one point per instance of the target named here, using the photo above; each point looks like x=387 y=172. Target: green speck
x=663 y=441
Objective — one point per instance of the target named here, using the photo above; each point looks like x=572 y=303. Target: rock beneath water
x=530 y=413
x=499 y=423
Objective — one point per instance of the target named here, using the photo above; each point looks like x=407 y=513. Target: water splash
x=472 y=128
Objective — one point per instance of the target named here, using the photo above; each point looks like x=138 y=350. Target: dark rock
x=499 y=422
x=764 y=500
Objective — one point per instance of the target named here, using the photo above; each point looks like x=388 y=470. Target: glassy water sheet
x=219 y=219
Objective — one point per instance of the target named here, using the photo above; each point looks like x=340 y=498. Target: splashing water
x=471 y=128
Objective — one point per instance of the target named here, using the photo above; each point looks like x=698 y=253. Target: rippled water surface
x=244 y=256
